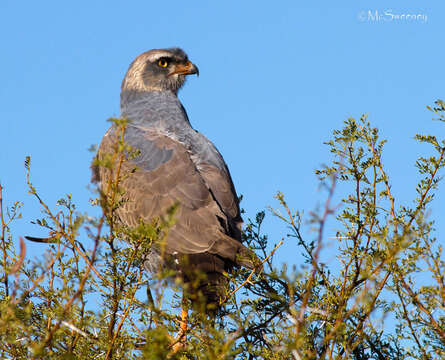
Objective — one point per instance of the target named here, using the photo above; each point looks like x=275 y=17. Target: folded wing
x=207 y=220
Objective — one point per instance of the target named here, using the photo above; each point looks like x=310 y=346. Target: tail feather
x=234 y=250
x=204 y=280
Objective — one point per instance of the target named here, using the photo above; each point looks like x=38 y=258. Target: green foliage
x=381 y=296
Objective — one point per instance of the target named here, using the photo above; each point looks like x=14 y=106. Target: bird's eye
x=163 y=63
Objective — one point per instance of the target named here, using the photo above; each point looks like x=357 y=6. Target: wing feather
x=167 y=175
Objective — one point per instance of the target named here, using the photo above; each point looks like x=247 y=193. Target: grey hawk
x=176 y=164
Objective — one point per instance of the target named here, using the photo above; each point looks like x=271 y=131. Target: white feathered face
x=159 y=70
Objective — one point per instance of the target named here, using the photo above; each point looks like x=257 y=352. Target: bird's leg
x=181 y=340
x=184 y=316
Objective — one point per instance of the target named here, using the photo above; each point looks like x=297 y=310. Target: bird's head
x=159 y=70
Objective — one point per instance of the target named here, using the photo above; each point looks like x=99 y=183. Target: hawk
x=176 y=165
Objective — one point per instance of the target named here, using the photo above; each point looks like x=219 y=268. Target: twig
x=5 y=280
x=61 y=229
x=326 y=213
x=251 y=273
x=41 y=277
x=20 y=260
x=68 y=305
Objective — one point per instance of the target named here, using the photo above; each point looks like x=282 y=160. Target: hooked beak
x=185 y=69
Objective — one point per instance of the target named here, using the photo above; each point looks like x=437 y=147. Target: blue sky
x=276 y=80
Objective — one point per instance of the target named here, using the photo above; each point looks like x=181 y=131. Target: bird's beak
x=185 y=69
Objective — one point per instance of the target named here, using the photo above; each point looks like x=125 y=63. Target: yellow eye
x=163 y=63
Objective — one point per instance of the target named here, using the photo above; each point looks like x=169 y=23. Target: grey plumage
x=177 y=164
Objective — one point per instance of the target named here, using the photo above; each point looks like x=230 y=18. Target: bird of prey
x=176 y=165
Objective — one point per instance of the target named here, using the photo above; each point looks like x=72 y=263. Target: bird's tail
x=205 y=282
